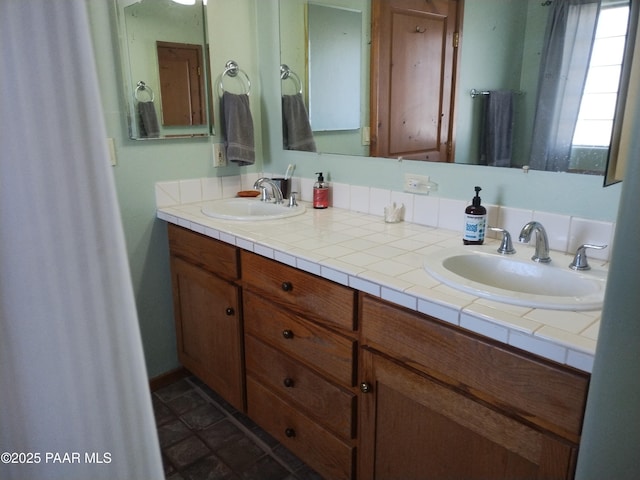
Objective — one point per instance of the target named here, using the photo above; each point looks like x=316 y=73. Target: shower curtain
x=74 y=395
x=563 y=72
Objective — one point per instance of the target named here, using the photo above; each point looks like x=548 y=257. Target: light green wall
x=247 y=31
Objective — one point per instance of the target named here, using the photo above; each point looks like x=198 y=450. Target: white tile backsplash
x=190 y=191
x=378 y=200
x=359 y=201
x=590 y=231
x=340 y=195
x=565 y=233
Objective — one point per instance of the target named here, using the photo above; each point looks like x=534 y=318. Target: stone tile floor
x=203 y=437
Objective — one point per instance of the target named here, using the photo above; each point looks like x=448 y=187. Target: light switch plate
x=112 y=152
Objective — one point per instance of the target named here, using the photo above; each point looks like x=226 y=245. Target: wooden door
x=208 y=329
x=181 y=84
x=413 y=56
x=412 y=427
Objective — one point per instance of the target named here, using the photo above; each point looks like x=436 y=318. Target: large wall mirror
x=505 y=46
x=165 y=67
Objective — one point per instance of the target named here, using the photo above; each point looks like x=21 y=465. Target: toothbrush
x=289 y=171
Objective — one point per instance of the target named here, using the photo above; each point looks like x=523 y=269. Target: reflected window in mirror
x=164 y=48
x=579 y=79
x=500 y=49
x=597 y=109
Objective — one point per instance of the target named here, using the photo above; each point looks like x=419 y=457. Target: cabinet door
x=208 y=329
x=412 y=427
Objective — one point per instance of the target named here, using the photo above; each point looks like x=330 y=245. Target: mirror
x=501 y=48
x=165 y=67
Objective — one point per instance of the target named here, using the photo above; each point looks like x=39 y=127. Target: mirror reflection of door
x=413 y=59
x=181 y=84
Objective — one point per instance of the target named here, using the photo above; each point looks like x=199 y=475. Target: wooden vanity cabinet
x=208 y=311
x=440 y=402
x=300 y=350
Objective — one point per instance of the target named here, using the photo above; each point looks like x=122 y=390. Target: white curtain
x=563 y=71
x=74 y=398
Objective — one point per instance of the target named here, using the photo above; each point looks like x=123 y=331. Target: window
x=597 y=108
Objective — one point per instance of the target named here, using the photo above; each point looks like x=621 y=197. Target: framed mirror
x=501 y=46
x=165 y=67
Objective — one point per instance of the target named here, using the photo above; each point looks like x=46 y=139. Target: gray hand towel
x=238 y=129
x=496 y=136
x=296 y=130
x=149 y=127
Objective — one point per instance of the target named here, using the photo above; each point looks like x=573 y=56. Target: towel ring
x=287 y=73
x=143 y=87
x=232 y=70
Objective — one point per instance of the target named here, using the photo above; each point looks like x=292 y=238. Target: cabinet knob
x=287 y=286
x=230 y=311
x=365 y=387
x=288 y=382
x=288 y=334
x=290 y=432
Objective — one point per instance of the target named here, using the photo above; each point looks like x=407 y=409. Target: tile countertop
x=386 y=260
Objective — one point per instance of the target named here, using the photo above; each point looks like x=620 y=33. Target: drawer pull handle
x=290 y=432
x=288 y=334
x=287 y=286
x=365 y=387
x=230 y=311
x=288 y=382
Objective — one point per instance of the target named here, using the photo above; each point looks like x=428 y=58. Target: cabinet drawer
x=326 y=351
x=330 y=405
x=524 y=386
x=302 y=292
x=325 y=453
x=205 y=252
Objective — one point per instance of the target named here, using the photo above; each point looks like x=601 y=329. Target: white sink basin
x=249 y=209
x=517 y=280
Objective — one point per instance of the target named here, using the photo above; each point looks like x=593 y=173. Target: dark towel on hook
x=238 y=128
x=496 y=136
x=149 y=127
x=296 y=130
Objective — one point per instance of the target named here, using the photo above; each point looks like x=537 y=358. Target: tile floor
x=203 y=437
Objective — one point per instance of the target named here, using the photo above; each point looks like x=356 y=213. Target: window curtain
x=74 y=392
x=563 y=70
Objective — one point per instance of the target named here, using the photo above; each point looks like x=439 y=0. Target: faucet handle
x=264 y=194
x=580 y=261
x=506 y=246
x=292 y=200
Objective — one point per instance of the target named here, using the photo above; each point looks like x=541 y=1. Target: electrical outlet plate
x=219 y=155
x=417 y=183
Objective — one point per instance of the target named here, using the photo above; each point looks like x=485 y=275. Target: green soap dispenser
x=475 y=222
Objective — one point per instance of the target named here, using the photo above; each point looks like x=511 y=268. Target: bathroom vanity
x=355 y=385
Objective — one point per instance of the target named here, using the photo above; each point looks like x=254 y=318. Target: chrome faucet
x=541 y=254
x=277 y=193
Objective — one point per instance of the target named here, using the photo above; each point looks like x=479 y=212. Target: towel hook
x=143 y=87
x=232 y=70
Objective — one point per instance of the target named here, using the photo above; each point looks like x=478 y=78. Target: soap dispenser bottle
x=475 y=221
x=320 y=192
